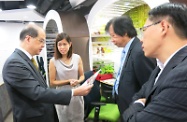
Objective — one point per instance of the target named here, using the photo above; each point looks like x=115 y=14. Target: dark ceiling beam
x=11 y=5
x=85 y=7
x=58 y=3
x=39 y=2
x=66 y=7
x=44 y=6
x=86 y=3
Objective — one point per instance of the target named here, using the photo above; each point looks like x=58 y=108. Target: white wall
x=9 y=39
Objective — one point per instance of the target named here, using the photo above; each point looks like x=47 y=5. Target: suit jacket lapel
x=128 y=54
x=25 y=57
x=129 y=51
x=174 y=61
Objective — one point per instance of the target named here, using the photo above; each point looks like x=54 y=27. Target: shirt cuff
x=139 y=101
x=72 y=93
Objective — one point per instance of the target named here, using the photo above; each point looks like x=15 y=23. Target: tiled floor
x=9 y=118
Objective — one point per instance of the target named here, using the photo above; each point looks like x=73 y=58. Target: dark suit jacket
x=166 y=100
x=31 y=100
x=135 y=72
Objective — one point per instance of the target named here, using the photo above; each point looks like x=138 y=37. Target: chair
x=106 y=93
x=106 y=109
x=93 y=96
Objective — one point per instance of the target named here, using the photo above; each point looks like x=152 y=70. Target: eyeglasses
x=42 y=41
x=145 y=27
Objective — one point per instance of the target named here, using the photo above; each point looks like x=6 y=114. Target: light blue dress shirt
x=123 y=57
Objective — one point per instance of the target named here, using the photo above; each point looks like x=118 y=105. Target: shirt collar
x=26 y=53
x=162 y=65
x=127 y=46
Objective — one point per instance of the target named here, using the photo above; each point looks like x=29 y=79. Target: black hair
x=31 y=31
x=122 y=25
x=60 y=37
x=175 y=13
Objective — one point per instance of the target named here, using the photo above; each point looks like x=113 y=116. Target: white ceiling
x=21 y=15
x=115 y=9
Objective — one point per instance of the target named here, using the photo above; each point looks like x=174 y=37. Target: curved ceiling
x=118 y=8
x=43 y=6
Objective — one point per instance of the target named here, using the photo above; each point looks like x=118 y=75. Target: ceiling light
x=31 y=6
x=127 y=3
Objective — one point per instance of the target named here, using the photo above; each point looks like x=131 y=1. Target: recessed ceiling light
x=31 y=6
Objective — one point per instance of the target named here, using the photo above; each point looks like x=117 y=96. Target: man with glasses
x=135 y=68
x=32 y=100
x=163 y=98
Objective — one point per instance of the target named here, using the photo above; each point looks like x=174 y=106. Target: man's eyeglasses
x=145 y=27
x=41 y=41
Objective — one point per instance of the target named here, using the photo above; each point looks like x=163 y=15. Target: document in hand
x=92 y=78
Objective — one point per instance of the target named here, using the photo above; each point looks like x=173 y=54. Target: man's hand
x=143 y=100
x=82 y=90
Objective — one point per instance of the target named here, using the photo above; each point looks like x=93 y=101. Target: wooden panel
x=74 y=24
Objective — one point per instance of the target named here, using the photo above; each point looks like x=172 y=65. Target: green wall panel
x=139 y=15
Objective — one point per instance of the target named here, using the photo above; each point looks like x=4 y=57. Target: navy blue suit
x=32 y=100
x=166 y=100
x=135 y=72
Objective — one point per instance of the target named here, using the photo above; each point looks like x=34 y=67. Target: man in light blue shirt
x=135 y=67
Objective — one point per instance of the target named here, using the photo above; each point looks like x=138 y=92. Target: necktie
x=157 y=71
x=116 y=84
x=34 y=63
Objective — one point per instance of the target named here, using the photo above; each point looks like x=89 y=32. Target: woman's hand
x=74 y=82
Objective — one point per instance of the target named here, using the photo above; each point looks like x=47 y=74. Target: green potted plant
x=107 y=70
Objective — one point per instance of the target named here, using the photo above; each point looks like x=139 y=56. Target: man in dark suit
x=135 y=67
x=163 y=98
x=32 y=100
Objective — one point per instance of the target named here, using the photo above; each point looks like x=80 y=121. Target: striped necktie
x=34 y=63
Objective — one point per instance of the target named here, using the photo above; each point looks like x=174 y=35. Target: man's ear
x=164 y=26
x=27 y=38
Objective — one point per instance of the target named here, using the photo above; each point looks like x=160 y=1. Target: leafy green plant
x=106 y=68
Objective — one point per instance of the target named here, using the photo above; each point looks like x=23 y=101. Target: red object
x=104 y=76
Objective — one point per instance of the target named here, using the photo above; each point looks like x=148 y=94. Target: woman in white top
x=66 y=71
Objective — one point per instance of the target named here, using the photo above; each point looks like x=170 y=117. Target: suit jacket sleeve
x=18 y=74
x=167 y=104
